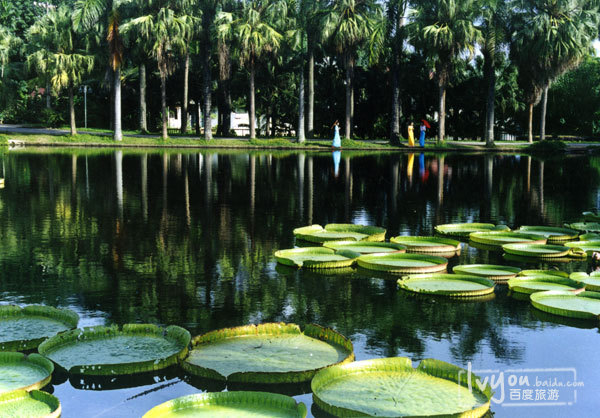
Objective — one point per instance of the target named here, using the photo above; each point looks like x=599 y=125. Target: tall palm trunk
x=143 y=111
x=48 y=102
x=530 y=125
x=310 y=114
x=395 y=122
x=349 y=96
x=490 y=76
x=184 y=108
x=252 y=103
x=224 y=88
x=72 y=109
x=163 y=105
x=206 y=87
x=543 y=113
x=118 y=133
x=301 y=136
x=442 y=111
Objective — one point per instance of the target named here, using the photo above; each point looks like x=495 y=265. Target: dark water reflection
x=188 y=238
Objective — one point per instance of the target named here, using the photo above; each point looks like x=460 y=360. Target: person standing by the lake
x=337 y=142
x=411 y=135
x=422 y=135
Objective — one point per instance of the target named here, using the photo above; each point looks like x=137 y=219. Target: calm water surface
x=188 y=239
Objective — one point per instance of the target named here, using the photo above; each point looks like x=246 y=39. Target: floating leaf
x=392 y=387
x=427 y=244
x=451 y=285
x=230 y=404
x=538 y=250
x=591 y=281
x=498 y=238
x=366 y=247
x=316 y=257
x=557 y=273
x=551 y=233
x=19 y=371
x=104 y=351
x=491 y=271
x=339 y=232
x=267 y=353
x=34 y=404
x=584 y=226
x=585 y=305
x=532 y=284
x=591 y=217
x=25 y=328
x=403 y=263
x=463 y=230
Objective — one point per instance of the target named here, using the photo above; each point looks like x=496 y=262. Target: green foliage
x=51 y=118
x=549 y=147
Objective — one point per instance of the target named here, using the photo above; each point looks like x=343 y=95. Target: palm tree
x=167 y=31
x=209 y=13
x=88 y=14
x=551 y=37
x=348 y=25
x=445 y=28
x=8 y=43
x=253 y=27
x=59 y=54
x=311 y=12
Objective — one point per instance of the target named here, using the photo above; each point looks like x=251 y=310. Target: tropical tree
x=91 y=15
x=253 y=28
x=348 y=25
x=446 y=31
x=59 y=53
x=551 y=37
x=167 y=28
x=8 y=42
x=209 y=13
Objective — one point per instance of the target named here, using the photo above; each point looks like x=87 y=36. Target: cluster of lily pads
x=265 y=354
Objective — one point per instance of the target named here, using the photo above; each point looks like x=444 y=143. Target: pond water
x=187 y=238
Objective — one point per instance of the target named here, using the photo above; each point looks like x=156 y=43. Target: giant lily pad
x=532 y=284
x=230 y=404
x=267 y=353
x=427 y=244
x=102 y=351
x=591 y=281
x=491 y=271
x=452 y=285
x=464 y=230
x=551 y=233
x=589 y=236
x=391 y=387
x=586 y=246
x=316 y=257
x=538 y=250
x=366 y=247
x=499 y=238
x=403 y=263
x=584 y=226
x=34 y=404
x=556 y=273
x=18 y=371
x=339 y=232
x=25 y=328
x=585 y=305
x=591 y=217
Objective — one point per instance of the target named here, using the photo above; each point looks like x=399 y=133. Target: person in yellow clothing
x=411 y=135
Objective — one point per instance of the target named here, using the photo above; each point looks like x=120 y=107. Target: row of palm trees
x=543 y=38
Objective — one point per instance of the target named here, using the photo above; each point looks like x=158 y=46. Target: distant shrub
x=51 y=118
x=547 y=147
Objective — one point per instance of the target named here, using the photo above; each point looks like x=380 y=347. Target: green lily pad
x=316 y=257
x=25 y=328
x=537 y=250
x=587 y=247
x=339 y=232
x=18 y=371
x=491 y=271
x=267 y=353
x=499 y=238
x=391 y=387
x=584 y=305
x=552 y=233
x=464 y=230
x=556 y=273
x=532 y=284
x=366 y=247
x=102 y=351
x=403 y=263
x=591 y=281
x=591 y=217
x=427 y=244
x=584 y=226
x=452 y=285
x=24 y=404
x=512 y=258
x=590 y=236
x=230 y=404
